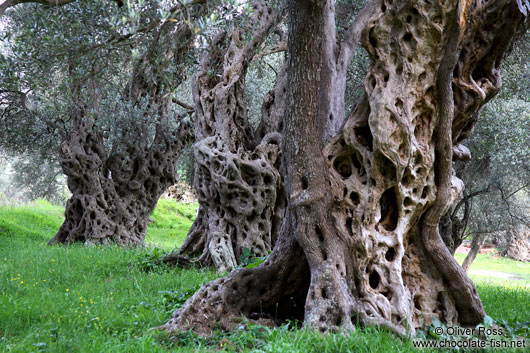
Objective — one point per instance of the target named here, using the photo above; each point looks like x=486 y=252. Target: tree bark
x=237 y=177
x=361 y=226
x=112 y=197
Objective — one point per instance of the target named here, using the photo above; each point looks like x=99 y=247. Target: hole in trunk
x=440 y=306
x=390 y=254
x=355 y=198
x=408 y=179
x=399 y=106
x=289 y=300
x=389 y=210
x=319 y=233
x=386 y=166
x=372 y=82
x=372 y=39
x=356 y=163
x=374 y=279
x=349 y=226
x=343 y=166
x=304 y=182
x=417 y=302
x=364 y=136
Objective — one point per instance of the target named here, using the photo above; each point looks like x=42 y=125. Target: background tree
x=111 y=108
x=502 y=146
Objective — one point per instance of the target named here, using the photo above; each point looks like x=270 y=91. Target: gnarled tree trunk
x=114 y=192
x=112 y=197
x=360 y=239
x=237 y=177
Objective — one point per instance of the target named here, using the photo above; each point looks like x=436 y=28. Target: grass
x=492 y=262
x=170 y=225
x=102 y=299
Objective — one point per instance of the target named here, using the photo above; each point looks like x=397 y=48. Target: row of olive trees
x=35 y=140
x=346 y=180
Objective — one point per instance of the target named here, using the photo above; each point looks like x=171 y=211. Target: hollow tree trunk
x=237 y=179
x=360 y=239
x=113 y=193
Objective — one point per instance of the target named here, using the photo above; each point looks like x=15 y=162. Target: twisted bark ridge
x=114 y=192
x=360 y=240
x=236 y=177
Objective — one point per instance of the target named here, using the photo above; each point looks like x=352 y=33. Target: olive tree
x=100 y=92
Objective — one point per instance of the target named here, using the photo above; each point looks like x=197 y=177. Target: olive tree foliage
x=28 y=177
x=39 y=69
x=27 y=145
x=97 y=83
x=498 y=177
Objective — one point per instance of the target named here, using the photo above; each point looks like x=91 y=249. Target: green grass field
x=106 y=299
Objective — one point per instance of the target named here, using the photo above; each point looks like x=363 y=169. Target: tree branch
x=465 y=198
x=353 y=35
x=470 y=308
x=184 y=105
x=281 y=47
x=516 y=191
